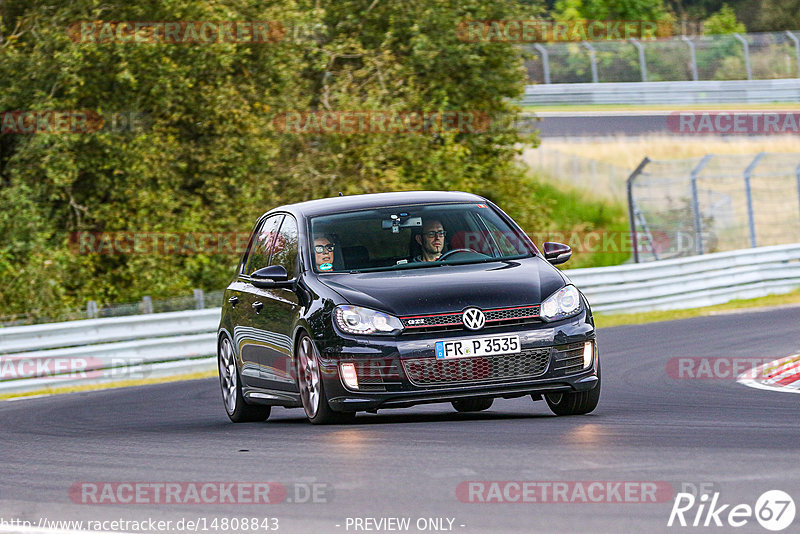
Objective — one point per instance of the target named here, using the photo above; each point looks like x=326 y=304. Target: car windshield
x=415 y=236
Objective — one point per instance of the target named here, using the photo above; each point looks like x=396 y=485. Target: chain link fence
x=756 y=56
x=713 y=204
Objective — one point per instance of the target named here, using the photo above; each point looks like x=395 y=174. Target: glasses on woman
x=319 y=249
x=434 y=233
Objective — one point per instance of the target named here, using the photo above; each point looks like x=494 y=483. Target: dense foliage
x=205 y=156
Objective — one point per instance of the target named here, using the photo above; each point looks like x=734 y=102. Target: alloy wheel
x=227 y=375
x=309 y=379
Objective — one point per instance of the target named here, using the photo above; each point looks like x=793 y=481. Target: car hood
x=449 y=288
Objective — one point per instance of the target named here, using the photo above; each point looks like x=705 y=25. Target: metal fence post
x=91 y=309
x=746 y=55
x=794 y=38
x=642 y=62
x=750 y=218
x=698 y=226
x=632 y=209
x=593 y=59
x=545 y=61
x=199 y=299
x=147 y=305
x=692 y=56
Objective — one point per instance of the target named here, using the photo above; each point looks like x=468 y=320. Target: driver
x=431 y=240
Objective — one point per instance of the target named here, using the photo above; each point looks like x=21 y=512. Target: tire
x=575 y=403
x=473 y=405
x=312 y=388
x=231 y=385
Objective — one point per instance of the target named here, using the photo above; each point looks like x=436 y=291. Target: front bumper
x=403 y=371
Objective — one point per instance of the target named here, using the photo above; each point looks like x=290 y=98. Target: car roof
x=324 y=206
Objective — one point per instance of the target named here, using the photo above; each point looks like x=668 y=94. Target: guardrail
x=95 y=351
x=144 y=346
x=680 y=92
x=691 y=282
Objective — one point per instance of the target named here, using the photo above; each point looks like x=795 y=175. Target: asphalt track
x=598 y=124
x=408 y=463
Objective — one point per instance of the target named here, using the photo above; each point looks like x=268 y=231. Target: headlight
x=358 y=320
x=563 y=303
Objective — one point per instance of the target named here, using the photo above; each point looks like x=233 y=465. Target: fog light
x=349 y=375
x=588 y=352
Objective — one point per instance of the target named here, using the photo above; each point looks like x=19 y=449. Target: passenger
x=431 y=240
x=323 y=251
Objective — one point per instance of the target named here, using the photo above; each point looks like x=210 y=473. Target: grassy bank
x=734 y=306
x=627 y=152
x=579 y=219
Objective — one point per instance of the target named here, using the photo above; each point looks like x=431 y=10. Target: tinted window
x=284 y=249
x=262 y=246
x=394 y=237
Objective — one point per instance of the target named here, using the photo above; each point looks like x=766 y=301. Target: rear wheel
x=575 y=403
x=235 y=406
x=312 y=390
x=473 y=405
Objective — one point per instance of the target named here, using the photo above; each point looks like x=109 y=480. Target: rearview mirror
x=397 y=222
x=556 y=253
x=272 y=276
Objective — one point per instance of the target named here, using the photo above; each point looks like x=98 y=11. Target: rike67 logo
x=774 y=510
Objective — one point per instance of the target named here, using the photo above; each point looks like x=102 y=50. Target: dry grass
x=627 y=152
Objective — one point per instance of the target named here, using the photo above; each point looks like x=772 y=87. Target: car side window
x=284 y=250
x=262 y=245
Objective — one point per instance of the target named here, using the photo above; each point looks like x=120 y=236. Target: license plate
x=477 y=346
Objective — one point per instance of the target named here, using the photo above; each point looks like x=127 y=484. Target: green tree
x=209 y=158
x=723 y=21
x=779 y=15
x=651 y=10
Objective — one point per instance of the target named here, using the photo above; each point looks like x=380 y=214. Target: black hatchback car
x=388 y=300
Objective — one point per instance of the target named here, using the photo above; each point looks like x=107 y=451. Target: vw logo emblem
x=473 y=318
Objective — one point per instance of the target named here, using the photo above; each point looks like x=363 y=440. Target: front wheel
x=312 y=390
x=575 y=403
x=235 y=406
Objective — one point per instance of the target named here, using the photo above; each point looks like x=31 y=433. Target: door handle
x=257 y=306
x=234 y=301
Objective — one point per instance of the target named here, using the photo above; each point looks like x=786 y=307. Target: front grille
x=452 y=320
x=431 y=372
x=569 y=358
x=504 y=314
x=448 y=319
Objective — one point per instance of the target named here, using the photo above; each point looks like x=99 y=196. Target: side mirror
x=556 y=253
x=272 y=276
